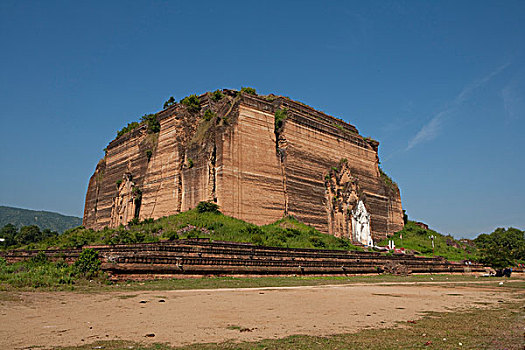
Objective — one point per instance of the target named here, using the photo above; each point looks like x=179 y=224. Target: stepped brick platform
x=190 y=258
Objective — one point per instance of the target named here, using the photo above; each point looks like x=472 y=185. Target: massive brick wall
x=315 y=167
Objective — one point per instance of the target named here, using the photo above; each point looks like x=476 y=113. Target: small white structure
x=361 y=225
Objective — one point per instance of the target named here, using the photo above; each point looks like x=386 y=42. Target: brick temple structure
x=258 y=157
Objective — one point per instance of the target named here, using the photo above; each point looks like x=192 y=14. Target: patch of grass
x=31 y=274
x=286 y=232
x=418 y=239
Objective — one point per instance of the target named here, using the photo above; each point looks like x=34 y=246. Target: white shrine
x=361 y=225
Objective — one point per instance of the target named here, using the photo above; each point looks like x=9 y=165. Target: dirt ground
x=216 y=315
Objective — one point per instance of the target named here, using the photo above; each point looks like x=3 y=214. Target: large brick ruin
x=255 y=167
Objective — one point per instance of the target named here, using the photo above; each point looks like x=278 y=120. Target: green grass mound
x=418 y=239
x=202 y=222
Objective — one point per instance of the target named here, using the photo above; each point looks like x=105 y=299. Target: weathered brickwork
x=312 y=166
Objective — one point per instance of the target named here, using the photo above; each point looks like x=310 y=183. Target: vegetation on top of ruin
x=249 y=90
x=216 y=96
x=170 y=102
x=192 y=103
x=152 y=123
x=128 y=128
x=150 y=120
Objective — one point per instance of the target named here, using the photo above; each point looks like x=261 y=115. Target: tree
x=502 y=248
x=192 y=102
x=8 y=233
x=28 y=234
x=169 y=102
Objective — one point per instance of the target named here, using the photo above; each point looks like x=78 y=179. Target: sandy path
x=59 y=319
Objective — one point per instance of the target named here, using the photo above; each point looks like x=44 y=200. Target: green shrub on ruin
x=217 y=95
x=249 y=91
x=192 y=103
x=170 y=102
x=152 y=123
x=128 y=128
x=209 y=115
x=279 y=118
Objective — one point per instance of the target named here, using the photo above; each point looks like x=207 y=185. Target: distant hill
x=43 y=219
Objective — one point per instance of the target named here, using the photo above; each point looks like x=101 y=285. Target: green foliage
x=190 y=163
x=88 y=263
x=192 y=102
x=217 y=95
x=152 y=122
x=149 y=153
x=204 y=219
x=502 y=248
x=118 y=183
x=39 y=259
x=209 y=115
x=32 y=234
x=171 y=235
x=418 y=239
x=208 y=207
x=249 y=91
x=43 y=219
x=36 y=273
x=128 y=128
x=134 y=221
x=279 y=117
x=170 y=102
x=8 y=233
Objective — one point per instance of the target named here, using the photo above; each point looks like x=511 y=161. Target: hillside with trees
x=43 y=219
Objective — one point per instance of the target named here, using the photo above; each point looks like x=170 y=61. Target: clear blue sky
x=440 y=84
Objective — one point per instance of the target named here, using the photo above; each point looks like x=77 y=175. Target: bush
x=249 y=91
x=88 y=263
x=128 y=128
x=208 y=207
x=217 y=95
x=209 y=115
x=151 y=121
x=133 y=222
x=171 y=235
x=169 y=102
x=149 y=153
x=280 y=116
x=39 y=259
x=192 y=102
